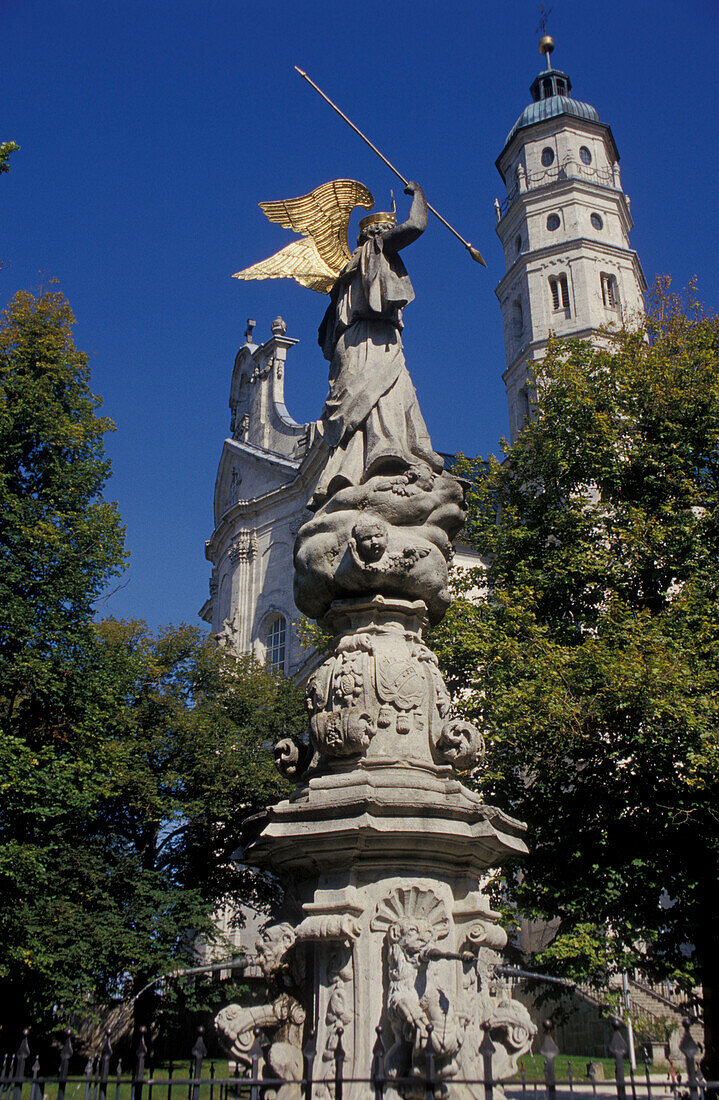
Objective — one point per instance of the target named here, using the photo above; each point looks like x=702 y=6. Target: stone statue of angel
x=371 y=419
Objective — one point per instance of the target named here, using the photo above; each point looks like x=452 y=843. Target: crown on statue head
x=380 y=217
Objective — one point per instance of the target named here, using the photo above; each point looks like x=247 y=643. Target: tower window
x=596 y=221
x=518 y=243
x=584 y=155
x=560 y=86
x=553 y=222
x=275 y=642
x=547 y=156
x=559 y=288
x=547 y=88
x=610 y=291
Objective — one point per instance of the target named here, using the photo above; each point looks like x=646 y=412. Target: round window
x=553 y=222
x=547 y=157
x=518 y=244
x=584 y=155
x=597 y=221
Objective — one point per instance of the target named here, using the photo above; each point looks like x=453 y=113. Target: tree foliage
x=127 y=858
x=6 y=149
x=126 y=757
x=60 y=541
x=594 y=663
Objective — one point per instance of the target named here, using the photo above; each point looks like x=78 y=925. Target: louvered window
x=610 y=291
x=559 y=288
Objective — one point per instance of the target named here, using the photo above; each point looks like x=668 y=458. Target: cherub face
x=371 y=540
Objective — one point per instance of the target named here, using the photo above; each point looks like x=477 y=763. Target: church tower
x=564 y=226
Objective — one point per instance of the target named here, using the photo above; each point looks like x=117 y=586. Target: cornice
x=253 y=451
x=519 y=209
x=549 y=126
x=538 y=345
x=290 y=497
x=522 y=265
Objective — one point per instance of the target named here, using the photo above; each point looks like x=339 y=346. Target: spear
x=474 y=253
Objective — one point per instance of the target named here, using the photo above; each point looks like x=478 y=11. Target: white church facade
x=564 y=227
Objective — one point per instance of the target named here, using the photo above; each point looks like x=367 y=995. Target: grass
x=534 y=1067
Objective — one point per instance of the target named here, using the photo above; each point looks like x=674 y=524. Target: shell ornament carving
x=416 y=903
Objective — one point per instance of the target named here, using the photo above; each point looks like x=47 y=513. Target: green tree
x=189 y=729
x=176 y=734
x=60 y=543
x=6 y=148
x=594 y=663
x=127 y=759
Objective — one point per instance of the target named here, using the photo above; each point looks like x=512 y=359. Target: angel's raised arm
x=402 y=235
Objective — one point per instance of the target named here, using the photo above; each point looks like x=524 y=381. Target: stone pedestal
x=382 y=850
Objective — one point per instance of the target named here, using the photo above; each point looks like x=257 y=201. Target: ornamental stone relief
x=244 y=548
x=381 y=694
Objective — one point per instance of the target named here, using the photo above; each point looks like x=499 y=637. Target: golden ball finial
x=546 y=44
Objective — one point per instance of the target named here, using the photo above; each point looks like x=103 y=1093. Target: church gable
x=246 y=472
x=258 y=414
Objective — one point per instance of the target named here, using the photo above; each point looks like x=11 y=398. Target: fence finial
x=690 y=1050
x=429 y=1063
x=549 y=1050
x=255 y=1057
x=486 y=1050
x=309 y=1051
x=105 y=1055
x=23 y=1052
x=378 y=1066
x=199 y=1051
x=339 y=1064
x=687 y=1046
x=618 y=1048
x=65 y=1056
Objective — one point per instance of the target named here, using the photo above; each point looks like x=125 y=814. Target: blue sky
x=150 y=130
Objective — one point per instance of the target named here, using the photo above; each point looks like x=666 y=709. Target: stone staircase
x=658 y=1004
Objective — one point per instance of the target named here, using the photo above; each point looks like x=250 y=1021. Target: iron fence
x=196 y=1078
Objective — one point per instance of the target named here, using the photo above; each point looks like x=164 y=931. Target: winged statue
x=322 y=217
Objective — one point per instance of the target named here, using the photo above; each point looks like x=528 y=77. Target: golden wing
x=300 y=261
x=324 y=216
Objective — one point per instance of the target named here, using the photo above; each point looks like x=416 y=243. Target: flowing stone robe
x=371 y=419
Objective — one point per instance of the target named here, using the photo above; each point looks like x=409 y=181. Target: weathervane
x=546 y=42
x=544 y=14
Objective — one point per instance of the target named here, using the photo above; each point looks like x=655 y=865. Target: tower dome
x=551 y=98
